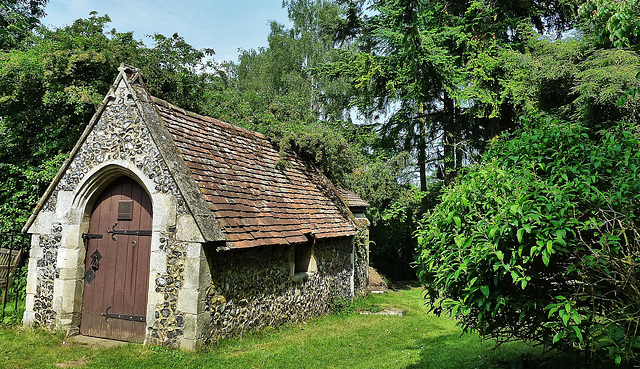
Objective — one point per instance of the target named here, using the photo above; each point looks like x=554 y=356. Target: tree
x=17 y=19
x=176 y=71
x=274 y=90
x=612 y=23
x=49 y=88
x=432 y=78
x=394 y=211
x=573 y=81
x=539 y=241
x=401 y=61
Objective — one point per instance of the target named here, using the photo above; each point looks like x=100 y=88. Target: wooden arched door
x=116 y=279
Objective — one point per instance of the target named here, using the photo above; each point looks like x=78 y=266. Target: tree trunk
x=422 y=158
x=422 y=148
x=459 y=153
x=449 y=131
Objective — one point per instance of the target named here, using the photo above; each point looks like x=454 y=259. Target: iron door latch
x=91 y=236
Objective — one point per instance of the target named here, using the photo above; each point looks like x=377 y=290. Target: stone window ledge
x=298 y=277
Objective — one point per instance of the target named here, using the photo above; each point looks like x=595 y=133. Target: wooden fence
x=14 y=247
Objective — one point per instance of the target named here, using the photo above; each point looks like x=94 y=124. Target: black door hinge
x=132 y=318
x=113 y=232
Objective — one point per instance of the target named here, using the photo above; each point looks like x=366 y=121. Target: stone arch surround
x=87 y=191
x=61 y=248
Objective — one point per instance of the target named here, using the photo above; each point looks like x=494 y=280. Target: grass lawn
x=11 y=316
x=416 y=340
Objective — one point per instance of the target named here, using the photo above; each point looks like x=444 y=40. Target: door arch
x=116 y=278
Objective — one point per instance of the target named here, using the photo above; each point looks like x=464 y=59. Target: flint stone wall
x=45 y=255
x=168 y=325
x=254 y=288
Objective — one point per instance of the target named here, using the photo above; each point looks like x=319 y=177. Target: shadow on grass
x=403 y=285
x=468 y=352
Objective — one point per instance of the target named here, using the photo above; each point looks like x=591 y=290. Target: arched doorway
x=116 y=279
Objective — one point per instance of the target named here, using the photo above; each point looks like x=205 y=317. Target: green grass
x=416 y=340
x=11 y=316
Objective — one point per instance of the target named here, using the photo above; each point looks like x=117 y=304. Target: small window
x=125 y=210
x=304 y=261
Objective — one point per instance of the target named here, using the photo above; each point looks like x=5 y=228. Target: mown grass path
x=415 y=340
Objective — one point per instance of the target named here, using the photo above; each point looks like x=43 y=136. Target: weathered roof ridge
x=352 y=199
x=241 y=130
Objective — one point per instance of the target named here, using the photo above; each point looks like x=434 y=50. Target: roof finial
x=132 y=73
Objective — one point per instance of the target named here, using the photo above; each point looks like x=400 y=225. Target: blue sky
x=224 y=26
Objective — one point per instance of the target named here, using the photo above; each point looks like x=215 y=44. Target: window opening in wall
x=304 y=261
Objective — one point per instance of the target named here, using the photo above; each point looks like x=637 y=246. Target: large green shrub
x=541 y=241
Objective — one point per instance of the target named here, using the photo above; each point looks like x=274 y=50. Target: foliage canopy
x=17 y=19
x=541 y=241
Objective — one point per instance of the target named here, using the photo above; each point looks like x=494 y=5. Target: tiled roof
x=351 y=199
x=255 y=202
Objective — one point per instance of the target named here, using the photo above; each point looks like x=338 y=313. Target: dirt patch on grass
x=73 y=363
x=386 y=311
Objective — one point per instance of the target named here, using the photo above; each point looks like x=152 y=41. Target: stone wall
x=45 y=255
x=168 y=326
x=254 y=288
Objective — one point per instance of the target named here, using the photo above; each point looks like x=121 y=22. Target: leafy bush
x=541 y=241
x=612 y=22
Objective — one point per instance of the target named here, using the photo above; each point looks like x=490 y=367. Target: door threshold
x=96 y=342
